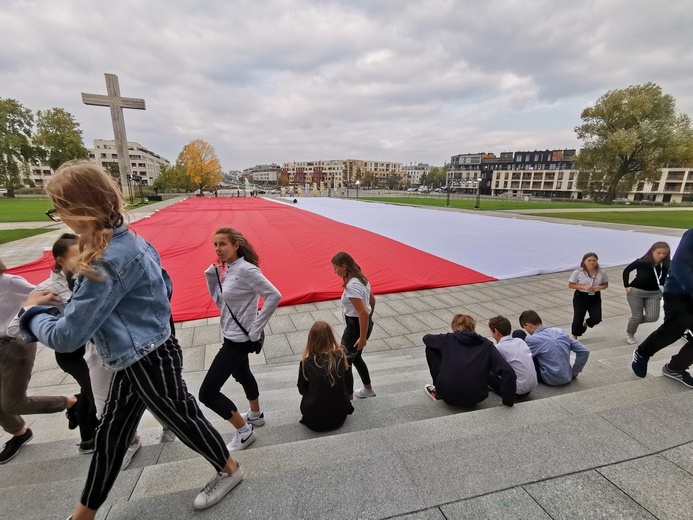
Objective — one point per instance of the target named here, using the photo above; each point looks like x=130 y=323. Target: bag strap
x=216 y=270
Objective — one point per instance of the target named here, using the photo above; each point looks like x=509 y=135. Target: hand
x=575 y=375
x=42 y=298
x=360 y=344
x=628 y=289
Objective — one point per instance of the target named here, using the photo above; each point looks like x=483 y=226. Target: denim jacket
x=126 y=314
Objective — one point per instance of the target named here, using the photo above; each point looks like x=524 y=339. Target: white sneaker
x=167 y=436
x=217 y=488
x=630 y=339
x=363 y=393
x=240 y=441
x=258 y=421
x=132 y=449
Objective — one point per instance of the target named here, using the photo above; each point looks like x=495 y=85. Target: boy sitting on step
x=516 y=353
x=461 y=363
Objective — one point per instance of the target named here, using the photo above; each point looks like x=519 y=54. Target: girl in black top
x=325 y=404
x=644 y=292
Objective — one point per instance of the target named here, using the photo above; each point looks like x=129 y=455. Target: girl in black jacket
x=325 y=404
x=644 y=293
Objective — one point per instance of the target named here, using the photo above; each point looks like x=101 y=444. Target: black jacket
x=467 y=361
x=647 y=276
x=324 y=406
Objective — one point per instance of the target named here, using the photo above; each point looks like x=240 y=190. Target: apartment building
x=263 y=173
x=144 y=163
x=338 y=173
x=412 y=173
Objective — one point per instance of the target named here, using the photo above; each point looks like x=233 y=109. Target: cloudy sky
x=392 y=80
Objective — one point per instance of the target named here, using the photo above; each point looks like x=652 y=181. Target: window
x=558 y=185
x=536 y=157
x=572 y=176
x=103 y=155
x=570 y=185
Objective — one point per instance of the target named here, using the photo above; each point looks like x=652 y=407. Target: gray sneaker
x=167 y=436
x=364 y=393
x=218 y=488
x=681 y=376
x=132 y=449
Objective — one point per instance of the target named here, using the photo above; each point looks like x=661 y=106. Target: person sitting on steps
x=516 y=353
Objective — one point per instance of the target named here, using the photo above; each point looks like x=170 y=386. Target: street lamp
x=357 y=188
x=447 y=197
x=478 y=192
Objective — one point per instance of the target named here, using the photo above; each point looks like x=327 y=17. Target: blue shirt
x=680 y=278
x=551 y=348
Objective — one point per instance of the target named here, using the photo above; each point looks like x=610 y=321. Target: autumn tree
x=629 y=135
x=201 y=164
x=16 y=150
x=59 y=137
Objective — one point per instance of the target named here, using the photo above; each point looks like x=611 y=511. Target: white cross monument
x=117 y=103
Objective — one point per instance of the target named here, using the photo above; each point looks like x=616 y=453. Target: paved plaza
x=608 y=445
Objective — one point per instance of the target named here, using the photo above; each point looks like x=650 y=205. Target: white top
x=242 y=286
x=517 y=354
x=355 y=289
x=581 y=278
x=13 y=292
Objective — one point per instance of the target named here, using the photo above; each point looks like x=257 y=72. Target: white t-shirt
x=13 y=291
x=517 y=354
x=355 y=289
x=581 y=278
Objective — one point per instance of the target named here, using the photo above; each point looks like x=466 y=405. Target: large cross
x=117 y=103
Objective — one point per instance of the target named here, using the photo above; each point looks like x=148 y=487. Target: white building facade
x=412 y=173
x=143 y=162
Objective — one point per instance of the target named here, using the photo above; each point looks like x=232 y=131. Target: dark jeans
x=351 y=334
x=434 y=359
x=583 y=304
x=678 y=316
x=494 y=382
x=73 y=363
x=537 y=367
x=231 y=360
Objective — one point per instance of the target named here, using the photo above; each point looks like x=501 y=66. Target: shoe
x=240 y=441
x=71 y=414
x=630 y=339
x=259 y=421
x=167 y=436
x=431 y=392
x=217 y=488
x=86 y=447
x=132 y=449
x=363 y=393
x=680 y=375
x=13 y=446
x=688 y=336
x=639 y=364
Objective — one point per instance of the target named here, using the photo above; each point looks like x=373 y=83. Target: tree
x=113 y=168
x=629 y=134
x=368 y=179
x=59 y=136
x=16 y=123
x=435 y=178
x=174 y=178
x=393 y=181
x=201 y=164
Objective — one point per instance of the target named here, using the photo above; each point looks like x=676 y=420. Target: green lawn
x=9 y=235
x=493 y=205
x=673 y=219
x=24 y=210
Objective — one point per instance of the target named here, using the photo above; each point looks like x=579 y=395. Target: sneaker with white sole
x=218 y=488
x=630 y=339
x=257 y=421
x=431 y=392
x=363 y=393
x=241 y=441
x=13 y=446
x=132 y=449
x=167 y=436
x=682 y=376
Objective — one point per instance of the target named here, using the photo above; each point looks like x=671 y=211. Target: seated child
x=551 y=351
x=516 y=353
x=461 y=363
x=325 y=404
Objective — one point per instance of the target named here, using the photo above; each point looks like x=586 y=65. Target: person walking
x=644 y=292
x=236 y=285
x=119 y=275
x=588 y=281
x=358 y=305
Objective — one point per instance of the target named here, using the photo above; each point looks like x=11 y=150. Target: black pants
x=154 y=382
x=351 y=334
x=537 y=367
x=494 y=383
x=434 y=359
x=584 y=303
x=678 y=316
x=231 y=360
x=73 y=363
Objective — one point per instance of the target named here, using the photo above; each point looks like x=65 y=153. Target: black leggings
x=584 y=303
x=678 y=316
x=351 y=334
x=231 y=360
x=73 y=363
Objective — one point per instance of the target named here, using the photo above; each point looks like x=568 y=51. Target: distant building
x=338 y=173
x=412 y=173
x=263 y=173
x=144 y=163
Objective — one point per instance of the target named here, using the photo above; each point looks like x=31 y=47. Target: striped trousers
x=153 y=382
x=644 y=307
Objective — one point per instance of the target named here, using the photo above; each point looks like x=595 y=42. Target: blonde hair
x=463 y=322
x=245 y=250
x=83 y=191
x=323 y=347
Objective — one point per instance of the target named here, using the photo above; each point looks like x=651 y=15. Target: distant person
x=551 y=348
x=589 y=281
x=461 y=364
x=518 y=355
x=644 y=292
x=358 y=305
x=325 y=404
x=678 y=318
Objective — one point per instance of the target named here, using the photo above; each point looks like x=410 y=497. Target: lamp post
x=357 y=188
x=447 y=195
x=478 y=193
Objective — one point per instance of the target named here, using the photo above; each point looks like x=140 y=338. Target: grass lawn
x=9 y=235
x=491 y=205
x=24 y=210
x=672 y=219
